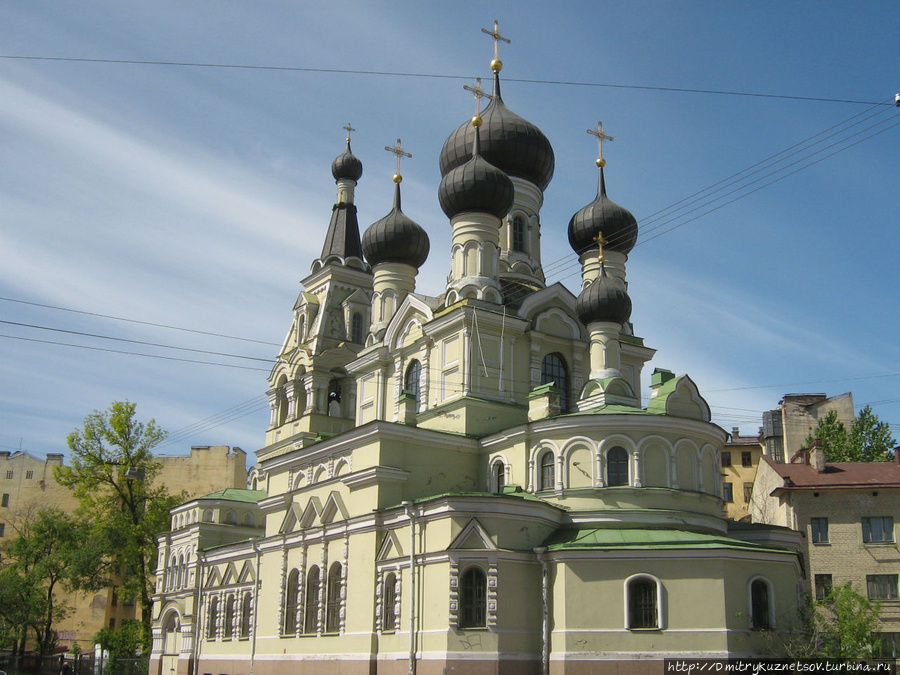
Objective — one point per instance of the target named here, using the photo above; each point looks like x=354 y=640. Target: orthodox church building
x=469 y=482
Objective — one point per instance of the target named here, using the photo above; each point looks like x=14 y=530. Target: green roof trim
x=657 y=405
x=237 y=495
x=591 y=538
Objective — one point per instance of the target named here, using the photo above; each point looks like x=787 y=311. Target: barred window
x=311 y=608
x=617 y=467
x=212 y=619
x=553 y=369
x=411 y=381
x=291 y=597
x=759 y=604
x=643 y=611
x=230 y=604
x=356 y=328
x=246 y=611
x=389 y=599
x=473 y=598
x=518 y=234
x=548 y=474
x=333 y=601
x=823 y=586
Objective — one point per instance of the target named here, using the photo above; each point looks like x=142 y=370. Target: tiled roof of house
x=802 y=476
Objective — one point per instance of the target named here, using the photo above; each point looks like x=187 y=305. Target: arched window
x=311 y=608
x=389 y=599
x=548 y=472
x=208 y=516
x=230 y=605
x=291 y=600
x=518 y=234
x=473 y=598
x=356 y=328
x=553 y=369
x=617 y=467
x=246 y=613
x=333 y=601
x=301 y=328
x=212 y=618
x=498 y=476
x=334 y=398
x=248 y=519
x=182 y=572
x=413 y=376
x=643 y=607
x=230 y=518
x=760 y=607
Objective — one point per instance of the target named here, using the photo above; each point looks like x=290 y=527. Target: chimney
x=817 y=456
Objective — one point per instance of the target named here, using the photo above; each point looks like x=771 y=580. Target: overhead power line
x=388 y=73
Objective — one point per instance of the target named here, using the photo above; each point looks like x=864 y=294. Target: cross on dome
x=399 y=152
x=349 y=129
x=496 y=64
x=479 y=94
x=600 y=138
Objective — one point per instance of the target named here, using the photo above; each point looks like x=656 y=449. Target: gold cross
x=479 y=94
x=398 y=150
x=601 y=242
x=496 y=64
x=600 y=138
x=349 y=129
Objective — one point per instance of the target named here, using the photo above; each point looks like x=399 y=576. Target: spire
x=342 y=238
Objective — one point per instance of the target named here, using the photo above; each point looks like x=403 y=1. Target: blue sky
x=197 y=197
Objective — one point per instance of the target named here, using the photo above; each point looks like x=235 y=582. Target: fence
x=69 y=664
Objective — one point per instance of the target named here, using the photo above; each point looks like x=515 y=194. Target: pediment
x=412 y=309
x=247 y=573
x=230 y=576
x=291 y=519
x=390 y=547
x=555 y=295
x=214 y=578
x=334 y=509
x=473 y=537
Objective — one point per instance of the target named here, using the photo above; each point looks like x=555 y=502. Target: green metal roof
x=237 y=495
x=587 y=538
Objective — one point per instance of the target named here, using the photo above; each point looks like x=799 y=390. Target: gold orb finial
x=397 y=178
x=600 y=162
x=496 y=65
x=398 y=151
x=477 y=121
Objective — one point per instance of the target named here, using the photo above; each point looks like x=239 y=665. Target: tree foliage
x=121 y=643
x=868 y=440
x=52 y=552
x=112 y=475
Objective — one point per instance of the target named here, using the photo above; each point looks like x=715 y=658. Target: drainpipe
x=255 y=606
x=412 y=586
x=545 y=611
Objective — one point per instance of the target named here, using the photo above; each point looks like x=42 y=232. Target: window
x=823 y=586
x=728 y=492
x=726 y=459
x=819 y=527
x=230 y=604
x=617 y=467
x=5 y=500
x=388 y=617
x=548 y=475
x=291 y=600
x=2 y=529
x=208 y=516
x=333 y=603
x=334 y=398
x=498 y=476
x=112 y=624
x=230 y=518
x=9 y=474
x=473 y=599
x=115 y=597
x=643 y=611
x=553 y=369
x=212 y=618
x=748 y=492
x=881 y=586
x=746 y=458
x=878 y=529
x=246 y=612
x=29 y=475
x=518 y=234
x=413 y=376
x=311 y=608
x=356 y=328
x=760 y=608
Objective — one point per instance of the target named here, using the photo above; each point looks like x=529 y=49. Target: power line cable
x=387 y=73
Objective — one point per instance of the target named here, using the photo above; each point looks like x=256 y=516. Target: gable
x=412 y=310
x=390 y=547
x=291 y=519
x=680 y=397
x=473 y=537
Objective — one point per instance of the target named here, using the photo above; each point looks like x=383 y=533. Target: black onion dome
x=347 y=165
x=396 y=238
x=603 y=215
x=509 y=142
x=476 y=186
x=604 y=299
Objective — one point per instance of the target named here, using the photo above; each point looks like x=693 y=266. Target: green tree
x=847 y=621
x=869 y=439
x=52 y=552
x=121 y=643
x=111 y=474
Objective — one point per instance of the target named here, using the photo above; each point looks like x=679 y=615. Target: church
x=469 y=482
